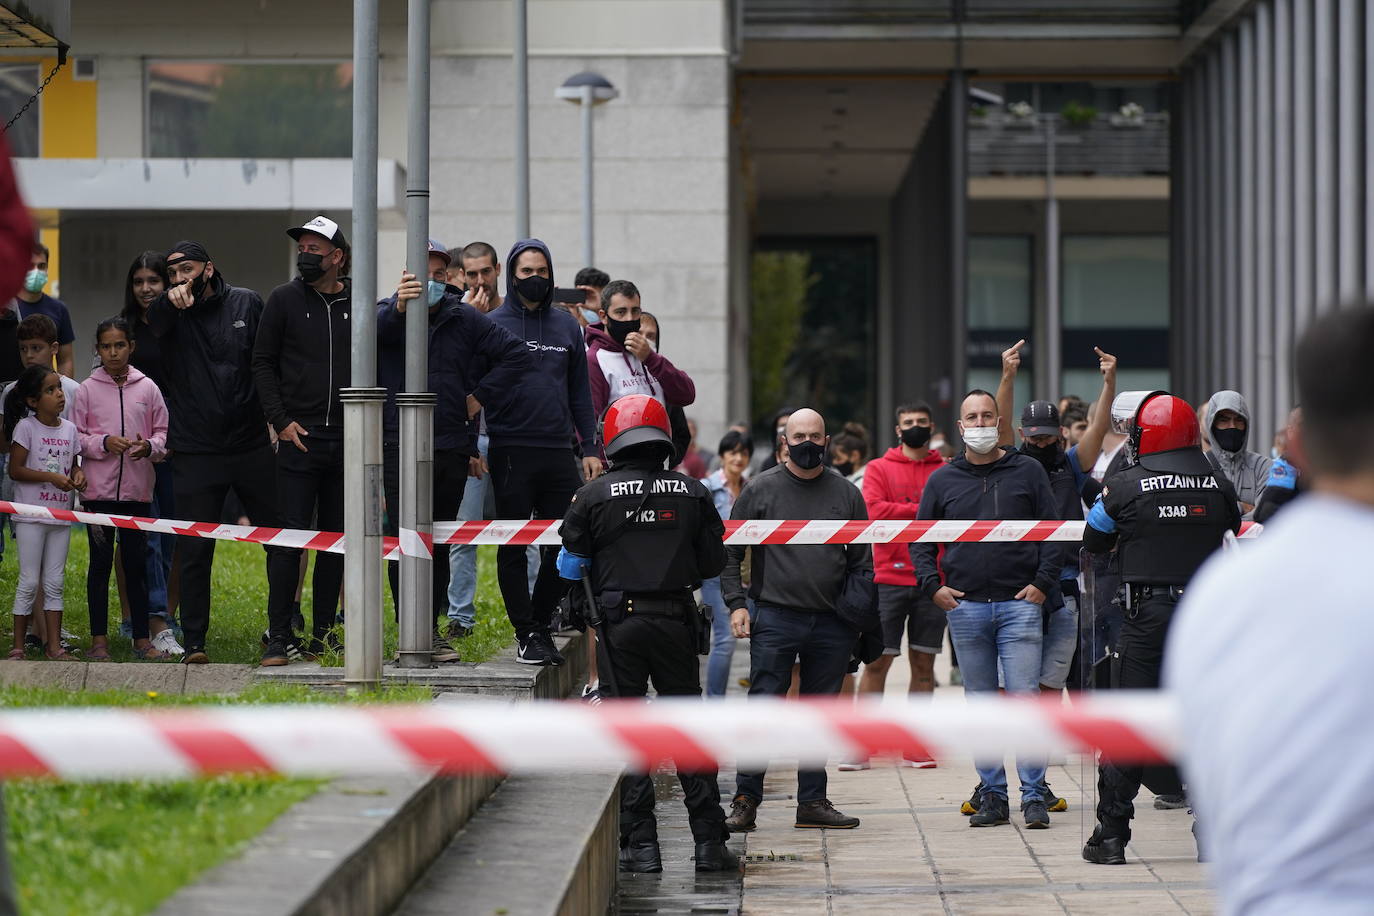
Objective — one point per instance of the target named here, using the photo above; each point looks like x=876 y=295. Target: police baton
x=597 y=621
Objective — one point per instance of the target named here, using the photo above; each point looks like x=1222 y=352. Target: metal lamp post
x=587 y=89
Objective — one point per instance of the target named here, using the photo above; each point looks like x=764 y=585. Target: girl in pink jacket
x=122 y=422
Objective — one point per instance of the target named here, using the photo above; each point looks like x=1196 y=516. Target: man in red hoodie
x=892 y=489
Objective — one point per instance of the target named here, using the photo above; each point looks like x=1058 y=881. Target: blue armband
x=1100 y=520
x=1282 y=475
x=571 y=566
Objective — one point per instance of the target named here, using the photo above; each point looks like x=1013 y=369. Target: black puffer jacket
x=208 y=349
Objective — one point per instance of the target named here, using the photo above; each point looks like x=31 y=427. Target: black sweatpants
x=661 y=649
x=133 y=557
x=531 y=483
x=450 y=479
x=310 y=495
x=1137 y=664
x=199 y=484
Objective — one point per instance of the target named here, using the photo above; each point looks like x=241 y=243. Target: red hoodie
x=892 y=489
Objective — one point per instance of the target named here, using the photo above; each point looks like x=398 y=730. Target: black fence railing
x=1002 y=144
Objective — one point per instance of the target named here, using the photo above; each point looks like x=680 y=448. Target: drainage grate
x=754 y=859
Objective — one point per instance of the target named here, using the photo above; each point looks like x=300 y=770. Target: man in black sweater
x=301 y=358
x=206 y=329
x=795 y=590
x=992 y=592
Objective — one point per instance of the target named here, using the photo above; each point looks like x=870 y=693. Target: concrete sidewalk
x=915 y=853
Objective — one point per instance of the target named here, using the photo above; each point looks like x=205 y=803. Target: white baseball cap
x=322 y=226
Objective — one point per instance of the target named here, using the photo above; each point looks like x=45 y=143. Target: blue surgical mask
x=436 y=292
x=590 y=316
x=35 y=280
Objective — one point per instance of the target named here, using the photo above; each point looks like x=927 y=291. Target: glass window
x=18 y=83
x=1115 y=281
x=999 y=281
x=270 y=110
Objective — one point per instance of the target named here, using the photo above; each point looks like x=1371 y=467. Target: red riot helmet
x=1163 y=431
x=635 y=419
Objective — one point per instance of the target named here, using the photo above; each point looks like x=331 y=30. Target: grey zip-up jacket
x=1248 y=471
x=805 y=577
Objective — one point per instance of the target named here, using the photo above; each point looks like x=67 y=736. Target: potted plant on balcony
x=1076 y=114
x=1129 y=115
x=1020 y=115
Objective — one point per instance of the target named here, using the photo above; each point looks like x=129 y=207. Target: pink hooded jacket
x=102 y=409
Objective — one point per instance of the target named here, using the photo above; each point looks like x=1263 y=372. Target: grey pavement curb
x=542 y=844
x=166 y=677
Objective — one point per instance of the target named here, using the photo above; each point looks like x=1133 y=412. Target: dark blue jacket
x=552 y=406
x=468 y=354
x=1012 y=487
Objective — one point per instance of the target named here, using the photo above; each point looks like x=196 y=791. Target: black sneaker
x=715 y=857
x=641 y=858
x=1170 y=802
x=992 y=812
x=275 y=654
x=534 y=649
x=554 y=654
x=318 y=646
x=1037 y=816
x=743 y=817
x=975 y=801
x=195 y=655
x=1054 y=802
x=823 y=814
x=441 y=650
x=1104 y=850
x=457 y=631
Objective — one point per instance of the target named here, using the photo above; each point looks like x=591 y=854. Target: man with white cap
x=301 y=358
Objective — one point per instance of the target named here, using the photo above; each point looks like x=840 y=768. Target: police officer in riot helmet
x=645 y=537
x=1165 y=513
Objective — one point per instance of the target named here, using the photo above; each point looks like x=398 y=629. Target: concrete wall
x=662 y=149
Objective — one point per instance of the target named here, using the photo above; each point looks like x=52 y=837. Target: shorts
x=903 y=606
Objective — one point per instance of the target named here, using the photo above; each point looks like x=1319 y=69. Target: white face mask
x=981 y=439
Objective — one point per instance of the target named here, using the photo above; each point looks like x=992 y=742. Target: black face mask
x=619 y=330
x=916 y=436
x=310 y=266
x=806 y=455
x=1230 y=440
x=534 y=288
x=844 y=467
x=199 y=285
x=1047 y=455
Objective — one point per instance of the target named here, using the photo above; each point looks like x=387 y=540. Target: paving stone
x=217 y=678
x=43 y=673
x=166 y=677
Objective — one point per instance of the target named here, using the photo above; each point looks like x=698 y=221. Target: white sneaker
x=851 y=765
x=167 y=642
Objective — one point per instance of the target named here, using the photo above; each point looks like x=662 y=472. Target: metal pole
x=1053 y=375
x=958 y=229
x=417 y=415
x=417 y=501
x=522 y=123
x=362 y=418
x=588 y=220
x=363 y=534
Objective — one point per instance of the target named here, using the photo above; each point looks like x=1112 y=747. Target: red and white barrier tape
x=96 y=744
x=545 y=531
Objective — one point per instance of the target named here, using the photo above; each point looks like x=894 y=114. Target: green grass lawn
x=122 y=848
x=238 y=613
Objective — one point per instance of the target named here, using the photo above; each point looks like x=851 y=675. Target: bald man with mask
x=795 y=589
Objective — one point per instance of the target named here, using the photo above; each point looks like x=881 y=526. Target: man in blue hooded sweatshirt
x=537 y=436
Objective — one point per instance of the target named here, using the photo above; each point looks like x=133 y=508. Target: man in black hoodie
x=992 y=593
x=536 y=438
x=301 y=358
x=218 y=434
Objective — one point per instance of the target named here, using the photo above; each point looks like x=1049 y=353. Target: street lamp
x=587 y=89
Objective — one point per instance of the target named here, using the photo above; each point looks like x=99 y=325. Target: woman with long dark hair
x=146 y=281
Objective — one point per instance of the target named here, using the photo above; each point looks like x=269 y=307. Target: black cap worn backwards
x=187 y=250
x=1040 y=418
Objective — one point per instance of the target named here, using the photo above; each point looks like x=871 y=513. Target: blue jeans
x=158 y=568
x=822 y=643
x=722 y=640
x=462 y=561
x=1008 y=633
x=1061 y=638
